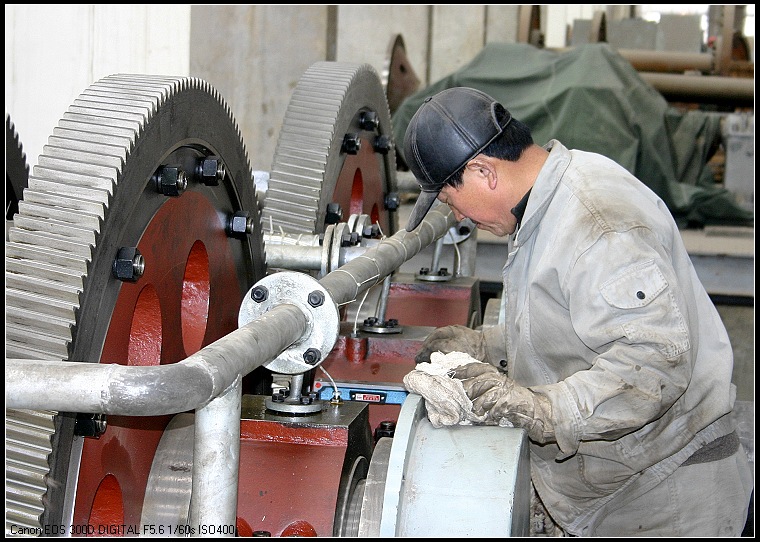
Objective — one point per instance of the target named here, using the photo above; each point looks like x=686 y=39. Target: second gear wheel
x=335 y=150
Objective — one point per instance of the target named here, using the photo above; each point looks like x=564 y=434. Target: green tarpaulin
x=591 y=98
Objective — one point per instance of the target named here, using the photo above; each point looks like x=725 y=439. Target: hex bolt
x=349 y=239
x=211 y=170
x=259 y=294
x=424 y=271
x=382 y=144
x=90 y=425
x=312 y=356
x=316 y=298
x=333 y=213
x=368 y=120
x=239 y=224
x=392 y=201
x=386 y=428
x=129 y=264
x=170 y=180
x=352 y=143
x=371 y=232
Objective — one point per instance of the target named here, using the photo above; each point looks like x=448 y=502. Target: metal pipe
x=296 y=386
x=70 y=386
x=382 y=302
x=668 y=61
x=310 y=257
x=737 y=89
x=216 y=455
x=661 y=61
x=295 y=257
x=360 y=274
x=434 y=266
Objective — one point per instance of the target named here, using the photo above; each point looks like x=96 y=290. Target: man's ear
x=485 y=167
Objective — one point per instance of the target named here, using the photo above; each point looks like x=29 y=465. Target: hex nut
x=128 y=265
x=312 y=356
x=171 y=181
x=316 y=298
x=239 y=224
x=211 y=170
x=259 y=294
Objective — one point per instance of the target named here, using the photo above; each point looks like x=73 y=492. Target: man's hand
x=498 y=397
x=453 y=339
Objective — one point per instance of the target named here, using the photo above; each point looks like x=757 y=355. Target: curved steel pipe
x=192 y=383
x=346 y=283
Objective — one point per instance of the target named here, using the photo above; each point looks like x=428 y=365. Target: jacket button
x=640 y=294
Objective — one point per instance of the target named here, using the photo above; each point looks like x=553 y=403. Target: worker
x=611 y=354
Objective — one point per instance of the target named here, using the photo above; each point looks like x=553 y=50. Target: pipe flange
x=341 y=230
x=305 y=292
x=459 y=232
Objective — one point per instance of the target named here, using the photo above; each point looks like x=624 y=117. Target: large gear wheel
x=137 y=238
x=335 y=155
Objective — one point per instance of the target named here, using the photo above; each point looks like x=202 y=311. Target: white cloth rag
x=445 y=399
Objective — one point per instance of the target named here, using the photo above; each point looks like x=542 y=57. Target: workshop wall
x=253 y=55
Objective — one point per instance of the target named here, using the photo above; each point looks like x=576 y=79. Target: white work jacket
x=606 y=317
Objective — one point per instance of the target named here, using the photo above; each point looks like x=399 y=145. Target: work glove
x=503 y=402
x=445 y=399
x=454 y=339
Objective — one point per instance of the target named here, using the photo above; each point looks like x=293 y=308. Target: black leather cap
x=447 y=131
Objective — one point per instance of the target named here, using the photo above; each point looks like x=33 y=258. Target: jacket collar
x=540 y=195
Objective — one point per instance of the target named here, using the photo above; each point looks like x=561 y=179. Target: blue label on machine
x=364 y=395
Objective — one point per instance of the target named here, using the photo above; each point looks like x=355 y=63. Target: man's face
x=478 y=200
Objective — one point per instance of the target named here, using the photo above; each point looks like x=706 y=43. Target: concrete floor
x=740 y=324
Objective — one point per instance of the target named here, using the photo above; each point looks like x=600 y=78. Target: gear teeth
x=28 y=436
x=308 y=156
x=16 y=169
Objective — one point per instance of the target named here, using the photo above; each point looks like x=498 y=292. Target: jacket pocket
x=647 y=311
x=638 y=286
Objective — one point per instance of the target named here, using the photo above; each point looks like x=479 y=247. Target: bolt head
x=382 y=144
x=211 y=170
x=259 y=294
x=239 y=224
x=312 y=356
x=392 y=201
x=171 y=181
x=128 y=265
x=316 y=298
